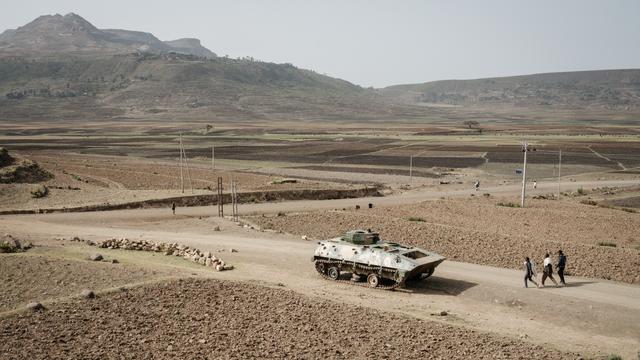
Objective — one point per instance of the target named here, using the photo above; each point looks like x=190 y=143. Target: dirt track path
x=410 y=197
x=592 y=316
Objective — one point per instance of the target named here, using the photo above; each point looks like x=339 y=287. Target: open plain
x=474 y=306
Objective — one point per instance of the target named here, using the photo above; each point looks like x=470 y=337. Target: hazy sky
x=380 y=43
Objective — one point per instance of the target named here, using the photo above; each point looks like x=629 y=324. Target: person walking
x=562 y=262
x=535 y=184
x=477 y=185
x=173 y=208
x=529 y=272
x=547 y=271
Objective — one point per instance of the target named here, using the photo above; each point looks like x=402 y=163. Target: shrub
x=581 y=191
x=509 y=204
x=40 y=192
x=589 y=202
x=606 y=243
x=413 y=218
x=7 y=248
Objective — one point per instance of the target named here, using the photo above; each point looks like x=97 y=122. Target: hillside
x=603 y=89
x=64 y=68
x=143 y=85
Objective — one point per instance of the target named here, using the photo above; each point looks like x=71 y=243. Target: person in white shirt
x=548 y=270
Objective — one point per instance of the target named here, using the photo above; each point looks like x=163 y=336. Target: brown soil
x=481 y=232
x=627 y=202
x=189 y=319
x=27 y=278
x=145 y=174
x=82 y=180
x=370 y=170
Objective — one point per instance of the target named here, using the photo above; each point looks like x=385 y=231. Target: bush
x=589 y=202
x=7 y=248
x=581 y=191
x=509 y=204
x=606 y=243
x=419 y=219
x=40 y=192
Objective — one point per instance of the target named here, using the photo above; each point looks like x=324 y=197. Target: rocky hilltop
x=72 y=33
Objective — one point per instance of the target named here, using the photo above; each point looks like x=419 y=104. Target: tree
x=471 y=124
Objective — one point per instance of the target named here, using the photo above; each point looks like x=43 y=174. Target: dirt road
x=588 y=316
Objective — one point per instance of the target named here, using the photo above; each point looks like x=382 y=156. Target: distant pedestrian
x=173 y=208
x=535 y=184
x=562 y=262
x=529 y=272
x=477 y=185
x=547 y=271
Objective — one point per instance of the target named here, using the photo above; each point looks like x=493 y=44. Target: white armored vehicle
x=384 y=264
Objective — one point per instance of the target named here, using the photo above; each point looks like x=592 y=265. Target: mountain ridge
x=63 y=67
x=614 y=87
x=73 y=33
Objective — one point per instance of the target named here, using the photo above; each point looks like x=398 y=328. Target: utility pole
x=234 y=200
x=411 y=170
x=183 y=158
x=524 y=173
x=559 y=170
x=220 y=198
x=181 y=172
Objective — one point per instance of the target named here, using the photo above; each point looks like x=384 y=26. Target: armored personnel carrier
x=384 y=264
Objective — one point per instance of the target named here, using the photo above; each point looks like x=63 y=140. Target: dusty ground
x=116 y=162
x=32 y=278
x=589 y=316
x=489 y=313
x=477 y=230
x=89 y=180
x=217 y=319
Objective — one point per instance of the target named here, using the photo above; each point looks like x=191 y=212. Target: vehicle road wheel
x=373 y=280
x=333 y=273
x=429 y=273
x=320 y=267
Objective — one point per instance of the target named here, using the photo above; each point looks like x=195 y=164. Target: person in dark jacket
x=529 y=272
x=173 y=208
x=562 y=262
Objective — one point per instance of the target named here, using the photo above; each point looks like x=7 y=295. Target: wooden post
x=181 y=172
x=559 y=170
x=184 y=154
x=524 y=174
x=220 y=198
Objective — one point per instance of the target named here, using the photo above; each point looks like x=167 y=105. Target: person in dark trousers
x=562 y=262
x=529 y=272
x=173 y=208
x=548 y=270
